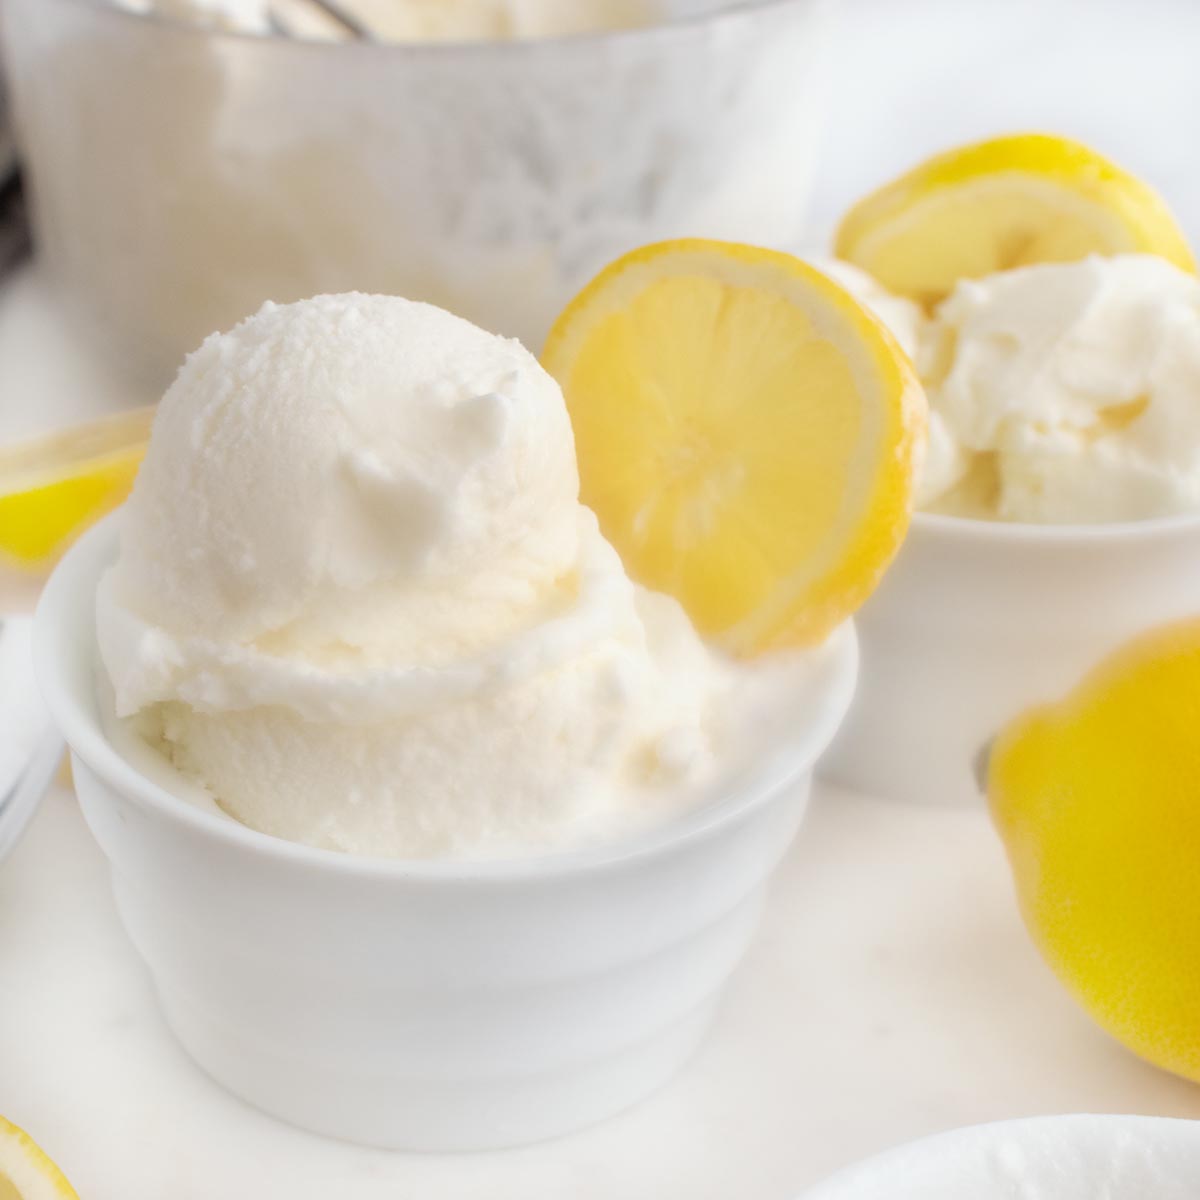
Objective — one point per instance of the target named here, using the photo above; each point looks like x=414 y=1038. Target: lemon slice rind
x=810 y=597
x=53 y=487
x=26 y=1171
x=1006 y=202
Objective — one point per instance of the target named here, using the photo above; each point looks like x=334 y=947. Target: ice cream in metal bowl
x=491 y=177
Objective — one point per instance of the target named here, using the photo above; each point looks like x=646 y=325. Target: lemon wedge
x=54 y=487
x=1008 y=202
x=26 y=1173
x=746 y=434
x=1095 y=799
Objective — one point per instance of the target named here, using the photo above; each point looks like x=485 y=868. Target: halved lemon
x=1008 y=202
x=26 y=1173
x=54 y=487
x=746 y=434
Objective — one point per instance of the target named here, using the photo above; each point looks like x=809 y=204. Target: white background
x=892 y=992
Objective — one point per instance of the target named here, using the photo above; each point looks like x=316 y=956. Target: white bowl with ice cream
x=1062 y=512
x=1063 y=1158
x=503 y=822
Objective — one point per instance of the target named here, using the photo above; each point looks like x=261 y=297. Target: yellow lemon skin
x=746 y=435
x=26 y=1172
x=1097 y=800
x=1008 y=202
x=52 y=488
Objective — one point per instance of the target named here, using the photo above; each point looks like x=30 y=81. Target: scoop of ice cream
x=357 y=472
x=359 y=602
x=1067 y=393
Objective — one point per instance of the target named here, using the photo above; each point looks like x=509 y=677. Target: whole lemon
x=1097 y=799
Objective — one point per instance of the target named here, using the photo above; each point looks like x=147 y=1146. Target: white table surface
x=892 y=991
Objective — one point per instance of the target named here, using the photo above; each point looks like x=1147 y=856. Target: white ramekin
x=436 y=1006
x=978 y=620
x=1055 y=1158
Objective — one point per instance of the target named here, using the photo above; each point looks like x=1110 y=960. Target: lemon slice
x=25 y=1171
x=54 y=487
x=1008 y=202
x=746 y=434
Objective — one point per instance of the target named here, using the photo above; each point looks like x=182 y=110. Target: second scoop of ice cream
x=359 y=602
x=1067 y=394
